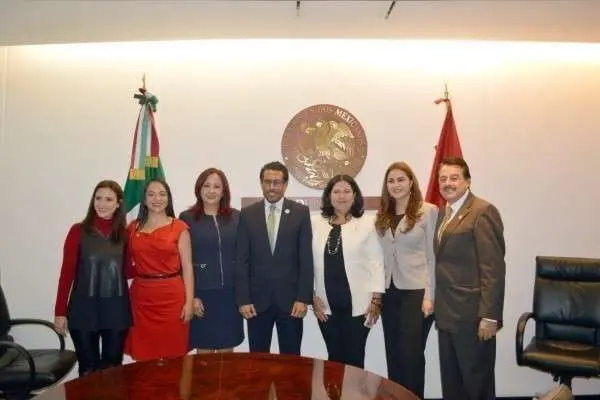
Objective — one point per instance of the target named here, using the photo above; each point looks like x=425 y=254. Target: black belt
x=159 y=276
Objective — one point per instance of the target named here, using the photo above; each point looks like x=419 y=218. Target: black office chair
x=566 y=311
x=23 y=371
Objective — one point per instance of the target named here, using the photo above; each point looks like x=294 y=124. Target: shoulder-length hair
x=197 y=209
x=357 y=208
x=143 y=211
x=387 y=205
x=117 y=230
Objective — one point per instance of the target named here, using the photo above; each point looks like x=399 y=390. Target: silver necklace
x=332 y=250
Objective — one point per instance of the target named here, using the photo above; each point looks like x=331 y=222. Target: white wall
x=3 y=79
x=526 y=115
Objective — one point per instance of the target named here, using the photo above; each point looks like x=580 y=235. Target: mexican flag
x=145 y=160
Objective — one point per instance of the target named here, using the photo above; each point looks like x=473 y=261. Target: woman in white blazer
x=349 y=275
x=406 y=226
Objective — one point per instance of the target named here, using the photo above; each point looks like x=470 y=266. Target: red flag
x=448 y=146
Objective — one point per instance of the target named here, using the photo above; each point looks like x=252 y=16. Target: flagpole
x=446 y=98
x=446 y=95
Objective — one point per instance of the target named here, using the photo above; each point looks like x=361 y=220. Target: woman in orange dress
x=163 y=286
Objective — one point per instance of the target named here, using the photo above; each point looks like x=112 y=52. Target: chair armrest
x=32 y=321
x=519 y=335
x=24 y=353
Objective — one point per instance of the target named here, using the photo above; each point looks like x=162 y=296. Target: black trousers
x=467 y=365
x=87 y=348
x=345 y=337
x=405 y=331
x=289 y=331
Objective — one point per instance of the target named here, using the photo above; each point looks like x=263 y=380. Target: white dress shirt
x=458 y=204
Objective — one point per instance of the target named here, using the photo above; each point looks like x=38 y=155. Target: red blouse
x=69 y=263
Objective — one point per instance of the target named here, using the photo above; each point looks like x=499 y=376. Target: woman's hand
x=373 y=311
x=427 y=307
x=187 y=312
x=318 y=309
x=61 y=325
x=198 y=307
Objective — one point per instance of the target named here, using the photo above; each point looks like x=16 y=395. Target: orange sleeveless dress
x=156 y=304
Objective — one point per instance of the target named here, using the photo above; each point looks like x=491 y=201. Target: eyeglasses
x=275 y=182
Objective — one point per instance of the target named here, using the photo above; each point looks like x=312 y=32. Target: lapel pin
x=287 y=211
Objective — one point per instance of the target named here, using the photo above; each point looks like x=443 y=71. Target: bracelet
x=376 y=305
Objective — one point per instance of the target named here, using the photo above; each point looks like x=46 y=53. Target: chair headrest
x=568 y=268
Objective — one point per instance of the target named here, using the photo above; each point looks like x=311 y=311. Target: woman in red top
x=92 y=301
x=163 y=287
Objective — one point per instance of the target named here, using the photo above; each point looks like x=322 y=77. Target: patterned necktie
x=444 y=224
x=271 y=226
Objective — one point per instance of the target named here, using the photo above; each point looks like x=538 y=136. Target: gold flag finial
x=446 y=98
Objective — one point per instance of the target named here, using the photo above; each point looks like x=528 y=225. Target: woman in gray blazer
x=349 y=276
x=406 y=226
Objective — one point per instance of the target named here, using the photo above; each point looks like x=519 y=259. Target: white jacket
x=363 y=260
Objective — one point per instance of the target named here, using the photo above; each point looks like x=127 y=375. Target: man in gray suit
x=274 y=268
x=469 y=293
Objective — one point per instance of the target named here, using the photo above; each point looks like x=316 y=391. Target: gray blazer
x=409 y=257
x=470 y=267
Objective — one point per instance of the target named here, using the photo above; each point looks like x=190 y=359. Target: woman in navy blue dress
x=217 y=324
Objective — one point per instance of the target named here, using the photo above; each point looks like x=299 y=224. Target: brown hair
x=117 y=230
x=224 y=204
x=387 y=206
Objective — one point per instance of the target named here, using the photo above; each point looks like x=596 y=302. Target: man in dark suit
x=469 y=293
x=274 y=268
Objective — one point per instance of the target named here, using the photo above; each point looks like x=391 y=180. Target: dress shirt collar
x=459 y=203
x=278 y=205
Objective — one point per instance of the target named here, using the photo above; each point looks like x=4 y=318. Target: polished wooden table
x=243 y=376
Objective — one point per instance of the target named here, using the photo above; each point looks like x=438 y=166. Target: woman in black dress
x=92 y=300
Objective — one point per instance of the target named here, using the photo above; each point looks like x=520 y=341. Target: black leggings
x=87 y=348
